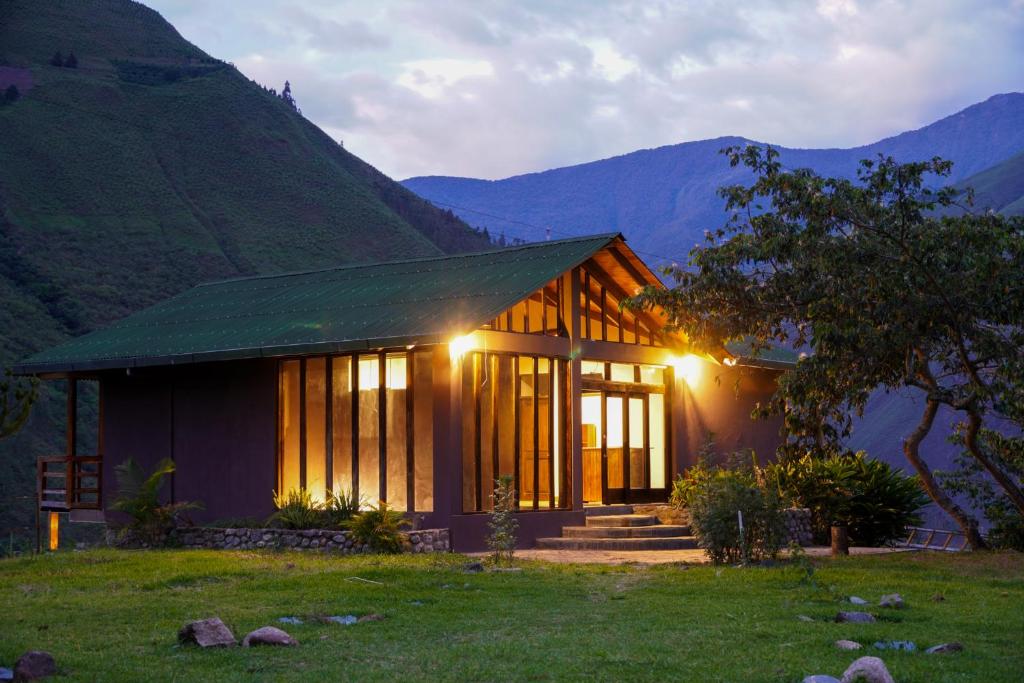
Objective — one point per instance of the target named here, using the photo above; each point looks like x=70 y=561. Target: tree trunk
x=911 y=449
x=1013 y=492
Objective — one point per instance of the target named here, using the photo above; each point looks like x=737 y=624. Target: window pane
x=369 y=429
x=652 y=374
x=536 y=313
x=488 y=404
x=592 y=368
x=289 y=416
x=621 y=372
x=316 y=427
x=628 y=328
x=611 y=310
x=341 y=387
x=423 y=446
x=637 y=466
x=506 y=416
x=526 y=432
x=470 y=364
x=542 y=468
x=656 y=410
x=395 y=384
x=590 y=416
x=615 y=441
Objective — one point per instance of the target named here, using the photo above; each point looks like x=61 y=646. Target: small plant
x=380 y=528
x=340 y=508
x=503 y=524
x=798 y=557
x=716 y=500
x=139 y=498
x=296 y=509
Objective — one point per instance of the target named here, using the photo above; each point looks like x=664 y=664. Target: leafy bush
x=379 y=527
x=503 y=523
x=874 y=501
x=138 y=496
x=296 y=509
x=341 y=506
x=714 y=496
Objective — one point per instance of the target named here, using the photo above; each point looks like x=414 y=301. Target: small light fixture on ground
x=54 y=530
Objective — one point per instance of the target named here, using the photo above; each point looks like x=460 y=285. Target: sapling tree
x=503 y=524
x=886 y=282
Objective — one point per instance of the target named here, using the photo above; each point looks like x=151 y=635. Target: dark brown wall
x=218 y=423
x=717 y=408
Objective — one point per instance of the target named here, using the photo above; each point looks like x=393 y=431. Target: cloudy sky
x=492 y=88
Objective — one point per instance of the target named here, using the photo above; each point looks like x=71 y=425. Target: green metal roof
x=427 y=300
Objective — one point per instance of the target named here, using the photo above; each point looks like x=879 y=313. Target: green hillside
x=148 y=168
x=1000 y=188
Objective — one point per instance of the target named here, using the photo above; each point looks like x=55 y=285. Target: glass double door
x=624 y=447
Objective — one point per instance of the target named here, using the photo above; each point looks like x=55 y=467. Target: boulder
x=473 y=568
x=867 y=670
x=804 y=617
x=371 y=617
x=848 y=645
x=893 y=600
x=944 y=648
x=905 y=645
x=268 y=635
x=820 y=678
x=855 y=617
x=6 y=674
x=33 y=665
x=207 y=633
x=858 y=601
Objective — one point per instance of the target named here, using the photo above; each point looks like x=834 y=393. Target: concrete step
x=670 y=543
x=652 y=531
x=622 y=520
x=604 y=510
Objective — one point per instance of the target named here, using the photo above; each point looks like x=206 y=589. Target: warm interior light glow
x=54 y=530
x=689 y=367
x=458 y=347
x=729 y=361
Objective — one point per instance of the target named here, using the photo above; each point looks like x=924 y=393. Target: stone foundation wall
x=798 y=526
x=341 y=542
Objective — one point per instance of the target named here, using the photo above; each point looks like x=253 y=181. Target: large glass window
x=539 y=313
x=603 y=319
x=344 y=425
x=522 y=437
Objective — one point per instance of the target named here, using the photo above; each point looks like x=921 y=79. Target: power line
x=547 y=230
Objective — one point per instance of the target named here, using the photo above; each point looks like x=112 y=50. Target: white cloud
x=491 y=88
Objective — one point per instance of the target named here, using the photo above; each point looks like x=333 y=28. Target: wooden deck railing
x=74 y=483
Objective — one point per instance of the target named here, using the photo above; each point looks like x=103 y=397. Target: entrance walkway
x=661 y=556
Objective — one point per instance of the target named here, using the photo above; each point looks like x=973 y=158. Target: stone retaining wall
x=798 y=526
x=341 y=542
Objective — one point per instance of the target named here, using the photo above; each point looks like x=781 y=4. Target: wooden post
x=72 y=445
x=575 y=392
x=840 y=540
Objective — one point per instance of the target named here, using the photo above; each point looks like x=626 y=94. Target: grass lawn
x=113 y=616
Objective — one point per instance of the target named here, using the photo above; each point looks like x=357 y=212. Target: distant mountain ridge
x=151 y=166
x=663 y=199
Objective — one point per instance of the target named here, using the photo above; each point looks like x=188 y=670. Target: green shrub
x=296 y=509
x=379 y=527
x=873 y=500
x=138 y=496
x=341 y=506
x=503 y=523
x=715 y=501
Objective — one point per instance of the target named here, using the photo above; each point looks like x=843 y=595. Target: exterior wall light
x=689 y=367
x=458 y=347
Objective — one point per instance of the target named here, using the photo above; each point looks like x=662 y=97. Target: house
x=415 y=382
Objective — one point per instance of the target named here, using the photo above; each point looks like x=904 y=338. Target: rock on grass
x=206 y=633
x=33 y=665
x=855 y=617
x=867 y=670
x=268 y=635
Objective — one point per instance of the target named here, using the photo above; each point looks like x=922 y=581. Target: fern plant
x=340 y=508
x=379 y=527
x=296 y=509
x=138 y=496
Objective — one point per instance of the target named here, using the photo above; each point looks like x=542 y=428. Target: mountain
x=149 y=167
x=664 y=199
x=1000 y=188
